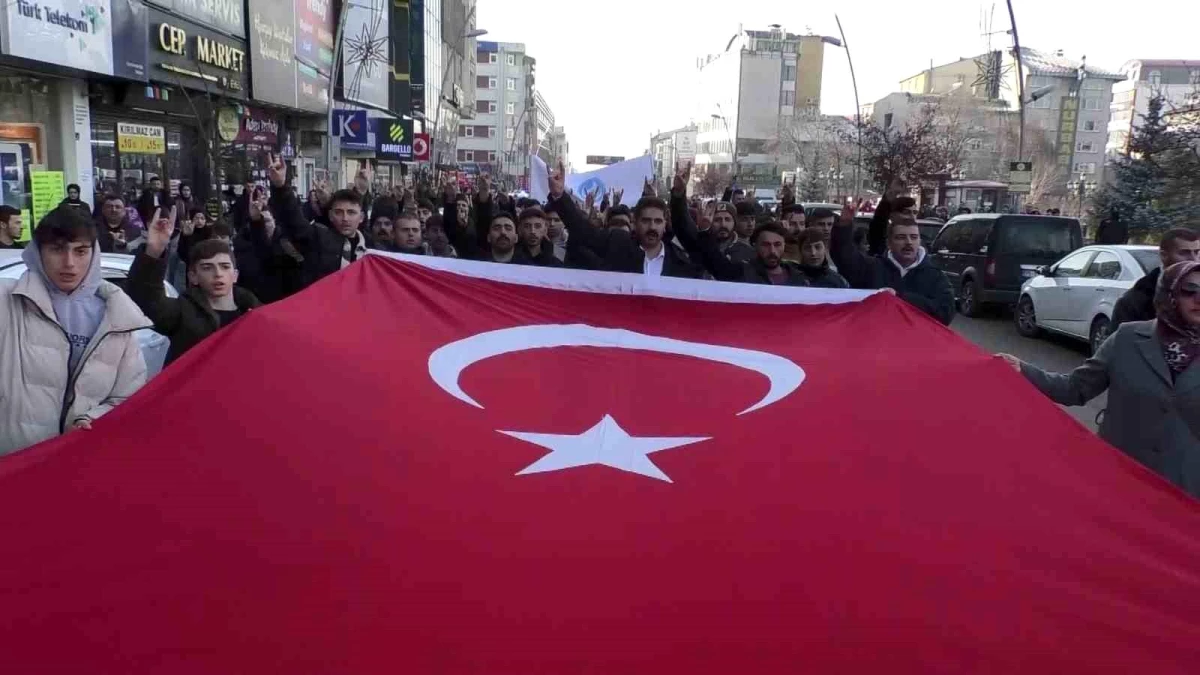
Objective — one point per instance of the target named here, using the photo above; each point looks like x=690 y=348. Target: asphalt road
x=996 y=332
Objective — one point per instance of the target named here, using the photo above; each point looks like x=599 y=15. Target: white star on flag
x=606 y=444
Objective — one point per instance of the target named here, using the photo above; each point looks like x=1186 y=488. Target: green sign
x=49 y=188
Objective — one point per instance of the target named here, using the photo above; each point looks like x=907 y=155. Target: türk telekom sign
x=106 y=37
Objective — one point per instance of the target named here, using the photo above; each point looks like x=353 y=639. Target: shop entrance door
x=12 y=175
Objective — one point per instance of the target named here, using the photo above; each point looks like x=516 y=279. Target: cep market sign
x=393 y=140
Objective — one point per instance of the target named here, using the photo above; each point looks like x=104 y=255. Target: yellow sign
x=48 y=190
x=141 y=139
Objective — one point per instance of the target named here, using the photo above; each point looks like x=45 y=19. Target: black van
x=987 y=256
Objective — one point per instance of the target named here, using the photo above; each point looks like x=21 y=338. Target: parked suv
x=987 y=256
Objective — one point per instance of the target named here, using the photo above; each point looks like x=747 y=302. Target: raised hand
x=558 y=181
x=362 y=180
x=188 y=226
x=679 y=183
x=847 y=215
x=590 y=200
x=450 y=190
x=648 y=188
x=483 y=190
x=617 y=194
x=268 y=224
x=276 y=170
x=323 y=194
x=158 y=235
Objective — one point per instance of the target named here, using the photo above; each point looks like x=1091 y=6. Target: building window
x=974 y=144
x=1091 y=104
x=470 y=132
x=1093 y=84
x=1155 y=78
x=1085 y=146
x=491 y=83
x=481 y=82
x=510 y=59
x=789 y=98
x=492 y=58
x=491 y=157
x=511 y=84
x=491 y=132
x=887 y=120
x=1194 y=77
x=510 y=108
x=1085 y=167
x=510 y=133
x=1089 y=125
x=469 y=155
x=789 y=73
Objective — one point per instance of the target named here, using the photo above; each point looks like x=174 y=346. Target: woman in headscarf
x=1150 y=371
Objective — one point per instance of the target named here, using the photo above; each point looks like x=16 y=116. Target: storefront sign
x=416 y=53
x=1068 y=117
x=259 y=128
x=47 y=188
x=350 y=126
x=366 y=68
x=105 y=36
x=141 y=139
x=222 y=15
x=273 y=51
x=314 y=53
x=228 y=124
x=393 y=140
x=399 y=94
x=190 y=55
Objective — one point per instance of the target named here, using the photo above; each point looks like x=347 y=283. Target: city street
x=995 y=332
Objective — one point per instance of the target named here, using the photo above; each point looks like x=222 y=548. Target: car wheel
x=968 y=302
x=1026 y=318
x=1101 y=329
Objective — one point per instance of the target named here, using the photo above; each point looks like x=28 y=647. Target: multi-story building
x=1066 y=110
x=504 y=131
x=545 y=126
x=560 y=149
x=670 y=148
x=761 y=83
x=1177 y=81
x=448 y=79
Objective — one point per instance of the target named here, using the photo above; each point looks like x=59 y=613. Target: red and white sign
x=421 y=147
x=559 y=471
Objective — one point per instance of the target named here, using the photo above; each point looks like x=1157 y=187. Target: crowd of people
x=69 y=353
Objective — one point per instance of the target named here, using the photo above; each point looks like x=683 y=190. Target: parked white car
x=1076 y=295
x=114 y=267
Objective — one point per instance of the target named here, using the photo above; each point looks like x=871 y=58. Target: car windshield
x=1036 y=236
x=1148 y=259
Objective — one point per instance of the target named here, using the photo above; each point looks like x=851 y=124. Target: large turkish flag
x=417 y=470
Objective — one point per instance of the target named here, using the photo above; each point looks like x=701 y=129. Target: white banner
x=539 y=179
x=629 y=176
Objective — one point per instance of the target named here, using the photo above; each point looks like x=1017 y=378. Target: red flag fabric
x=413 y=469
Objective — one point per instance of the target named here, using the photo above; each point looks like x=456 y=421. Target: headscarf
x=1180 y=340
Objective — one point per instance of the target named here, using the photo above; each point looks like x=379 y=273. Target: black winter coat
x=615 y=250
x=705 y=249
x=924 y=287
x=319 y=245
x=1137 y=304
x=185 y=320
x=472 y=243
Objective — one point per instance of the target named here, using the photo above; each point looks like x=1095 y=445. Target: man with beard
x=537 y=249
x=723 y=223
x=767 y=266
x=116 y=229
x=645 y=251
x=794 y=223
x=906 y=270
x=814 y=262
x=496 y=235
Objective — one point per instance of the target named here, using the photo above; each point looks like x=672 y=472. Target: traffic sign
x=606 y=160
x=420 y=147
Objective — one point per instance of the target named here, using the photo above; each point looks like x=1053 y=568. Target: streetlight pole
x=857 y=106
x=732 y=141
x=1012 y=19
x=330 y=139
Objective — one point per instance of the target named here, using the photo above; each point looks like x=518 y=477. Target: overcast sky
x=617 y=72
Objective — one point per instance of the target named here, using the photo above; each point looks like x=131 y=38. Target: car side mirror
x=1046 y=271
